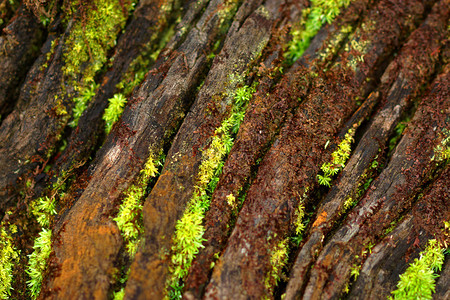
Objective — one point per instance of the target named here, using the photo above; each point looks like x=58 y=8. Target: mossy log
x=223 y=149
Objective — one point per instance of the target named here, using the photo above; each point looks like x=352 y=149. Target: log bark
x=268 y=228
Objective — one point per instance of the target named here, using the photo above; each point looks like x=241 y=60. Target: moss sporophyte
x=189 y=230
x=320 y=12
x=418 y=281
x=339 y=158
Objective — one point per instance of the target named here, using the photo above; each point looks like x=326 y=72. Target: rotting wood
x=290 y=167
x=213 y=103
x=347 y=59
x=148 y=122
x=398 y=94
x=410 y=166
x=30 y=133
x=17 y=51
x=264 y=116
x=387 y=260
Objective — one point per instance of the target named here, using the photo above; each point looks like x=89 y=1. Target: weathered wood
x=391 y=257
x=22 y=36
x=442 y=290
x=144 y=31
x=264 y=116
x=410 y=167
x=30 y=133
x=290 y=167
x=253 y=23
x=398 y=87
x=257 y=182
x=89 y=240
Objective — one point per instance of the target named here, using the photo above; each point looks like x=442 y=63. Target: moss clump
x=129 y=218
x=339 y=158
x=87 y=47
x=114 y=110
x=43 y=209
x=442 y=150
x=418 y=281
x=189 y=229
x=321 y=11
x=38 y=261
x=279 y=258
x=9 y=256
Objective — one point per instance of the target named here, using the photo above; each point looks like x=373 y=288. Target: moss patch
x=189 y=230
x=320 y=12
x=339 y=158
x=38 y=261
x=129 y=218
x=87 y=47
x=9 y=257
x=418 y=281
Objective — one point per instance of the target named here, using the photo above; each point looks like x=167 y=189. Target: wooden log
x=290 y=167
x=399 y=86
x=148 y=122
x=18 y=51
x=385 y=201
x=391 y=257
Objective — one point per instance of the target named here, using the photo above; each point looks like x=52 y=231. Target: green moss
x=87 y=47
x=43 y=209
x=189 y=230
x=339 y=158
x=139 y=67
x=320 y=12
x=332 y=46
x=300 y=222
x=278 y=260
x=113 y=111
x=129 y=217
x=357 y=49
x=38 y=261
x=442 y=150
x=119 y=295
x=418 y=281
x=398 y=131
x=9 y=257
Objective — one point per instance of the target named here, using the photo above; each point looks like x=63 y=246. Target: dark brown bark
x=149 y=120
x=370 y=70
x=288 y=170
x=19 y=43
x=396 y=98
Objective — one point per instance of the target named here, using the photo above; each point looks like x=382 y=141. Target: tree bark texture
x=376 y=75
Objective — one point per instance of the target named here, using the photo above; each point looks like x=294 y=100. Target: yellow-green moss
x=113 y=111
x=442 y=150
x=418 y=281
x=339 y=158
x=9 y=257
x=38 y=261
x=129 y=216
x=43 y=209
x=278 y=260
x=87 y=47
x=313 y=18
x=189 y=229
